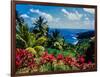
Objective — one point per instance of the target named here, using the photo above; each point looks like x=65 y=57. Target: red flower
x=71 y=61
x=17 y=64
x=31 y=64
x=43 y=61
x=24 y=58
x=30 y=55
x=51 y=57
x=47 y=58
x=60 y=57
x=81 y=59
x=68 y=59
x=45 y=54
x=44 y=57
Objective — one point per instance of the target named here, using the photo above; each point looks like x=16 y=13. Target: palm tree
x=55 y=40
x=23 y=37
x=41 y=27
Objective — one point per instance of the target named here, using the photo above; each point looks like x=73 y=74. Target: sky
x=58 y=16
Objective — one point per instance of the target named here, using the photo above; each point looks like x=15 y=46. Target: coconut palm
x=41 y=27
x=23 y=37
x=55 y=40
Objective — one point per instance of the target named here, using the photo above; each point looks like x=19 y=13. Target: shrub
x=39 y=50
x=41 y=40
x=24 y=58
x=32 y=50
x=47 y=62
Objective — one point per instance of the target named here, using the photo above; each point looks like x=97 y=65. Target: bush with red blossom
x=47 y=57
x=81 y=59
x=24 y=58
x=60 y=57
x=50 y=62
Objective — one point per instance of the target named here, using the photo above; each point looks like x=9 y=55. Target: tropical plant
x=26 y=62
x=82 y=46
x=64 y=53
x=39 y=49
x=41 y=41
x=24 y=58
x=56 y=41
x=31 y=50
x=41 y=27
x=24 y=38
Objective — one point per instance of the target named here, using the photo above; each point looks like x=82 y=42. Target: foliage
x=41 y=40
x=39 y=49
x=48 y=62
x=82 y=46
x=65 y=53
x=56 y=41
x=24 y=58
x=24 y=38
x=41 y=27
x=32 y=50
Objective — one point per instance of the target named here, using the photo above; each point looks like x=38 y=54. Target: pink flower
x=89 y=62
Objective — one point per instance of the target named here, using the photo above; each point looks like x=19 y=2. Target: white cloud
x=72 y=15
x=89 y=24
x=56 y=20
x=45 y=15
x=24 y=16
x=89 y=10
x=87 y=18
x=84 y=24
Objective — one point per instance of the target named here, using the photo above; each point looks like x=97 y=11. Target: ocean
x=70 y=34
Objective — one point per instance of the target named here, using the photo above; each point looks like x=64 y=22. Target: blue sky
x=57 y=16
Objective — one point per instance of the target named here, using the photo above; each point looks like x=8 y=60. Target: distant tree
x=86 y=35
x=56 y=41
x=19 y=20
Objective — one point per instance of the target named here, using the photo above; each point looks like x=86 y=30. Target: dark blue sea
x=70 y=34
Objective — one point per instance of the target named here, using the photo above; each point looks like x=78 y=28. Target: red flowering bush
x=48 y=62
x=81 y=59
x=69 y=60
x=47 y=57
x=24 y=58
x=60 y=57
x=82 y=64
